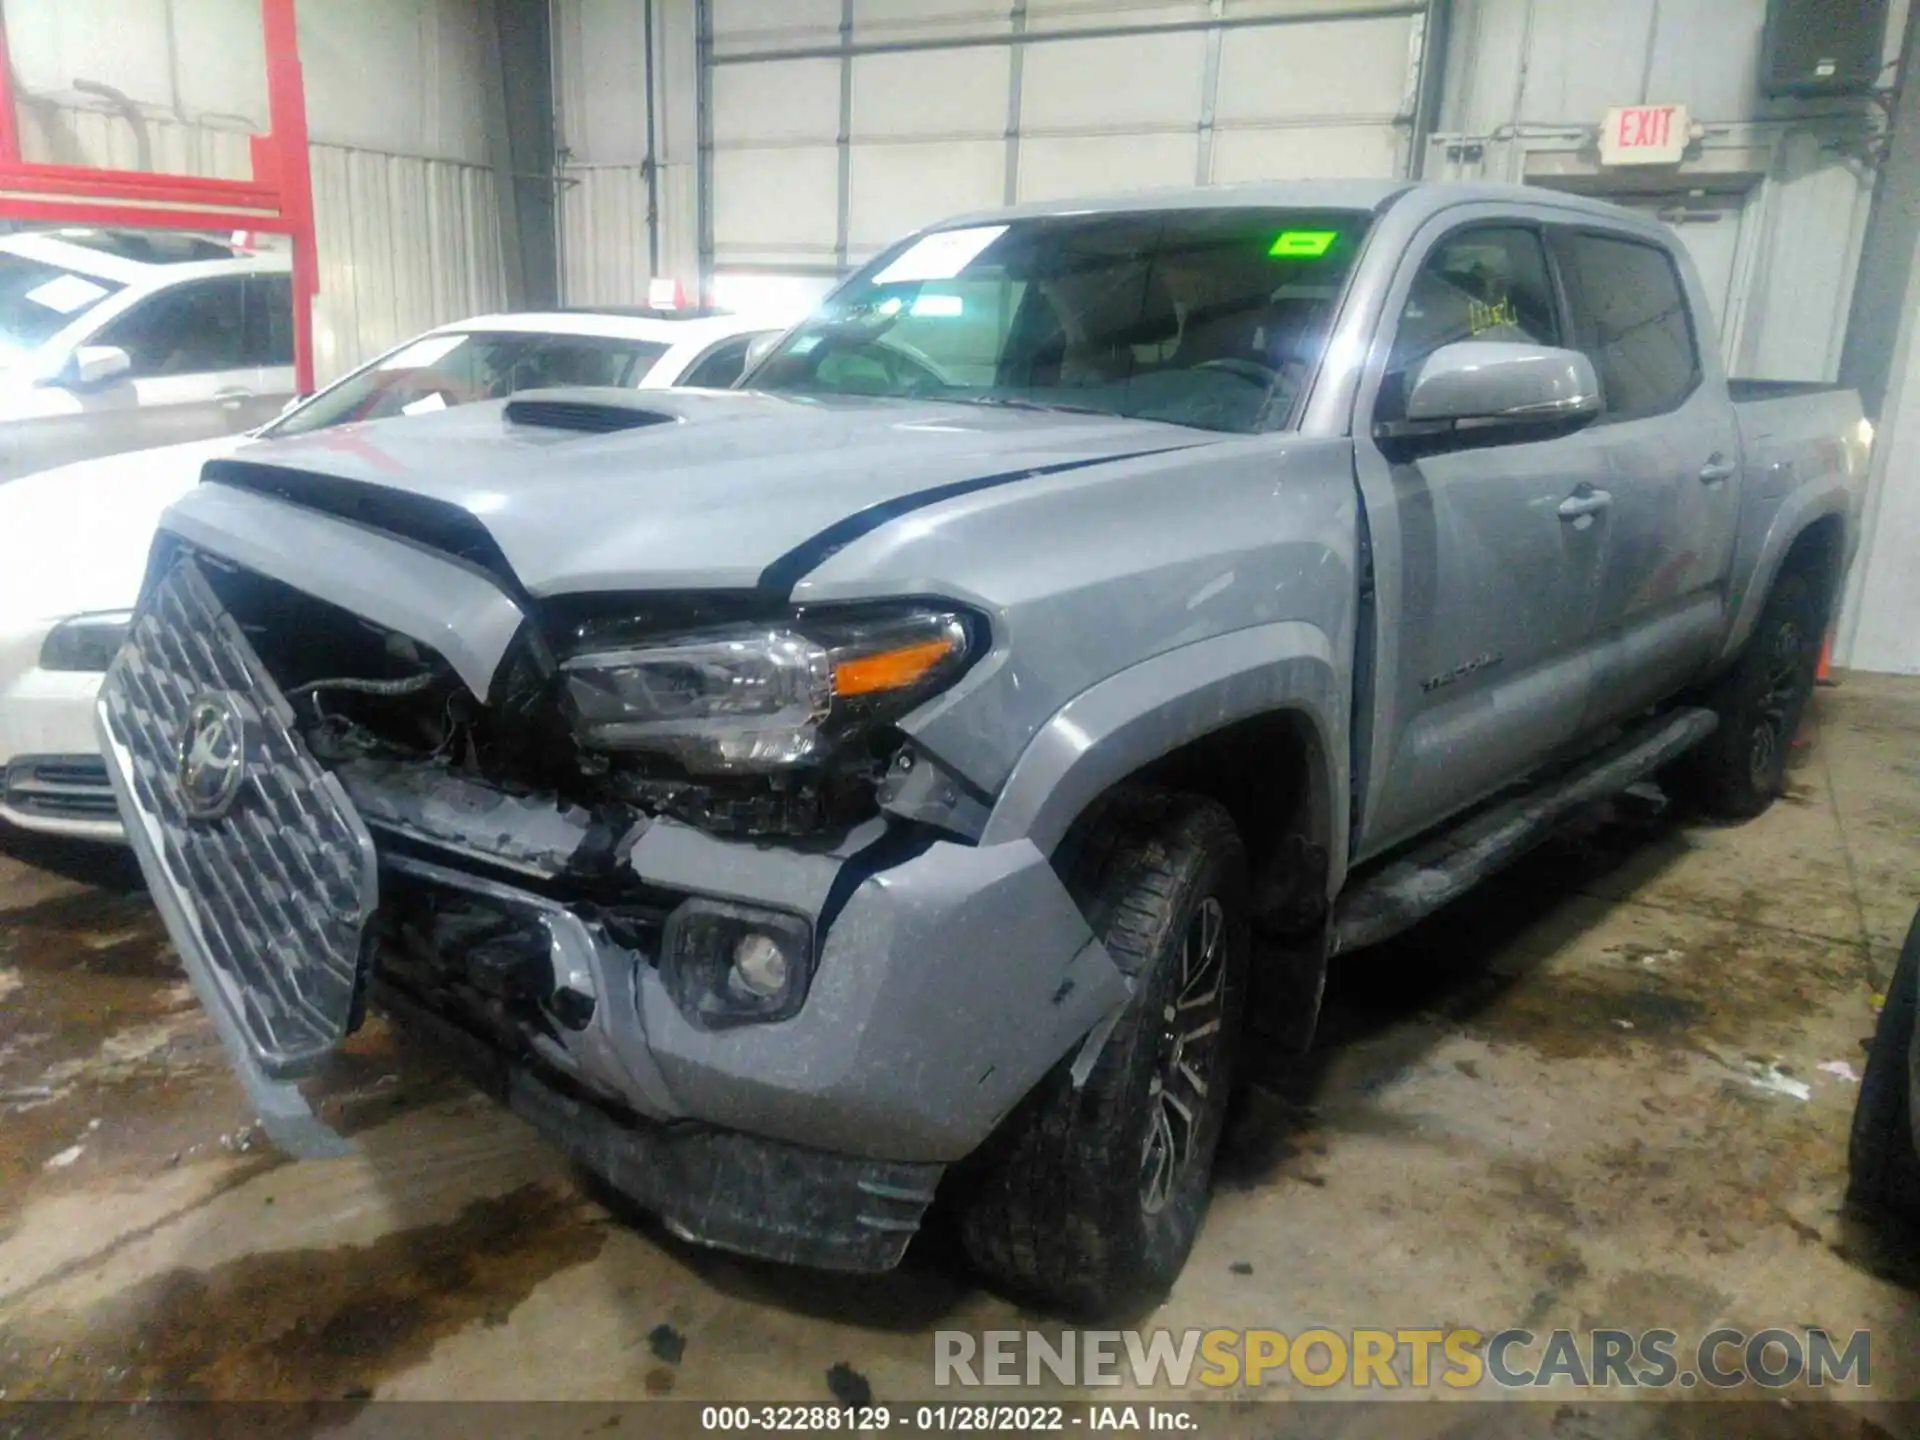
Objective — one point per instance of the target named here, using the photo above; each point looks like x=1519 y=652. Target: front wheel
x=1089 y=1197
x=1741 y=768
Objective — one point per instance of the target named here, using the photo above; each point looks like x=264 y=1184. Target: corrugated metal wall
x=604 y=257
x=1528 y=82
x=404 y=206
x=607 y=127
x=404 y=244
x=68 y=135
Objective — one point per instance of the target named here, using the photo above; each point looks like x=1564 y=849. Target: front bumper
x=947 y=983
x=50 y=776
x=715 y=1187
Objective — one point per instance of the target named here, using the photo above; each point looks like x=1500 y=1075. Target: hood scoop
x=585 y=412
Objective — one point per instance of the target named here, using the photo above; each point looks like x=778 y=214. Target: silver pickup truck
x=917 y=769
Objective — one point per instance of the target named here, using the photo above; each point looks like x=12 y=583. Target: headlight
x=752 y=699
x=86 y=642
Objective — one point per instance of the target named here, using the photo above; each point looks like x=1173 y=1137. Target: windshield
x=37 y=300
x=1209 y=318
x=443 y=369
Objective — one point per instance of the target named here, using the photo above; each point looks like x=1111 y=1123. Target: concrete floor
x=1548 y=1107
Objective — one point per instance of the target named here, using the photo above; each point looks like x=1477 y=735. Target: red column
x=287 y=114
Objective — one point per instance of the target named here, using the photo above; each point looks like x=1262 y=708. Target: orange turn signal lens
x=890 y=669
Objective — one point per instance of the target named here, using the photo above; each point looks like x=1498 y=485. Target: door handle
x=1716 y=469
x=232 y=399
x=1584 y=502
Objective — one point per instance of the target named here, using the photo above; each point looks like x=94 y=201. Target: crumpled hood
x=724 y=486
x=74 y=539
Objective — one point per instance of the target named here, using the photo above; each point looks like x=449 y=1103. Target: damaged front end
x=631 y=883
x=775 y=727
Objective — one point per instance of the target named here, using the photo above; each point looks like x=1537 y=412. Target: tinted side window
x=720 y=366
x=270 y=320
x=186 y=330
x=1486 y=283
x=1630 y=316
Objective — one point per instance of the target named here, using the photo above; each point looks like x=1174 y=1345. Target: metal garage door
x=830 y=127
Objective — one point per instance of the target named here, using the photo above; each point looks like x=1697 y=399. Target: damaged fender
x=1152 y=709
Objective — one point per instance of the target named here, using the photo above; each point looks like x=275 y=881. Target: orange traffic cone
x=1823 y=672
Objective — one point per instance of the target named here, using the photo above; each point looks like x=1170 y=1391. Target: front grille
x=60 y=787
x=279 y=884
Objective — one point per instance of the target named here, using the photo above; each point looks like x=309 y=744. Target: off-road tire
x=1740 y=769
x=1060 y=1208
x=1883 y=1165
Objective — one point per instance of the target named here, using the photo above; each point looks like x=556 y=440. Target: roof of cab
x=1366 y=195
x=95 y=253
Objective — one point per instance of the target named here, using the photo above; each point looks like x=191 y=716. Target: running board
x=1443 y=869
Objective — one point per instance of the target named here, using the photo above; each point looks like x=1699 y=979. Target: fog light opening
x=726 y=964
x=759 y=966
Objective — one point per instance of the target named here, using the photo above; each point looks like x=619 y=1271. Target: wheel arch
x=1810 y=530
x=1256 y=719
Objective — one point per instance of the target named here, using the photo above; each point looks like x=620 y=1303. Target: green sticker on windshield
x=1303 y=244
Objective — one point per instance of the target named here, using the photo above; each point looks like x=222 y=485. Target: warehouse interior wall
x=521 y=144
x=1772 y=197
x=1876 y=629
x=824 y=129
x=629 y=151
x=405 y=207
x=835 y=126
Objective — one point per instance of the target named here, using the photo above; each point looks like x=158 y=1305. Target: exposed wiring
x=356 y=685
x=408 y=685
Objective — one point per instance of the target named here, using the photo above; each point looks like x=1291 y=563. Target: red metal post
x=287 y=113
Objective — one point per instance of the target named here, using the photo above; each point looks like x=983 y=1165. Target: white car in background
x=115 y=340
x=74 y=540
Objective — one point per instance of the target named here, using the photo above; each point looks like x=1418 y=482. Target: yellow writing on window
x=1482 y=317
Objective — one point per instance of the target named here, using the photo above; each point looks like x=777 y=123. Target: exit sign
x=1644 y=135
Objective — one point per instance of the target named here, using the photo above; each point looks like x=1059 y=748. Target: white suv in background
x=114 y=340
x=74 y=540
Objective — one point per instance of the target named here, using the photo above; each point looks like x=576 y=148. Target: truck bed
x=1792 y=420
x=1740 y=391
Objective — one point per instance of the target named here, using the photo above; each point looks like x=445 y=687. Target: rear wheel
x=1883 y=1166
x=1741 y=768
x=1089 y=1197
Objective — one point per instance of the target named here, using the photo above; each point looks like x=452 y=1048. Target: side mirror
x=1477 y=385
x=760 y=347
x=96 y=365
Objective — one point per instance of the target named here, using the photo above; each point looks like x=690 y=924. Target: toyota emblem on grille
x=213 y=756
